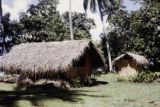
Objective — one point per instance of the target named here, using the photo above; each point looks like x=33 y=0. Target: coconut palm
x=0 y=10
x=105 y=7
x=70 y=20
x=1 y=28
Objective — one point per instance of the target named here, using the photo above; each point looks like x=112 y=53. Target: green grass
x=109 y=93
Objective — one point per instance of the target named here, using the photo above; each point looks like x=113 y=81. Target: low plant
x=83 y=82
x=124 y=79
x=146 y=77
x=143 y=77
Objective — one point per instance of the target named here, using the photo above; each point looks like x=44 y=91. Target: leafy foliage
x=146 y=77
x=81 y=24
x=42 y=22
x=105 y=7
x=142 y=77
x=137 y=31
x=11 y=31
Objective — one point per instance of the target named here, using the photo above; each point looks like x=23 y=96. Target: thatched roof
x=48 y=57
x=139 y=59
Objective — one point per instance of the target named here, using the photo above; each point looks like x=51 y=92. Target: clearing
x=109 y=93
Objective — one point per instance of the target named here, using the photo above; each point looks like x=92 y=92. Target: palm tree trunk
x=96 y=4
x=108 y=48
x=1 y=28
x=109 y=55
x=70 y=21
x=107 y=41
x=1 y=10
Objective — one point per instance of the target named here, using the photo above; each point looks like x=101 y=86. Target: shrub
x=123 y=79
x=83 y=82
x=146 y=77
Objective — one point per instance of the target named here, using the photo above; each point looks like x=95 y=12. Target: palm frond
x=104 y=6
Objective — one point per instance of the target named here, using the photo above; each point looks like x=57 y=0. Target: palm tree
x=1 y=28
x=0 y=10
x=70 y=21
x=105 y=7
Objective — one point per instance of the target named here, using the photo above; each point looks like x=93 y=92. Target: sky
x=15 y=7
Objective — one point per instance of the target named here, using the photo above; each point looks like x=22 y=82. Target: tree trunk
x=107 y=41
x=109 y=55
x=108 y=48
x=70 y=21
x=1 y=28
x=1 y=11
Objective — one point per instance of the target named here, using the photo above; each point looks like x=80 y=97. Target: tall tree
x=42 y=22
x=104 y=7
x=7 y=31
x=70 y=20
x=2 y=38
x=137 y=31
x=10 y=32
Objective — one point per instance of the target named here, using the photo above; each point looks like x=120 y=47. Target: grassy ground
x=109 y=93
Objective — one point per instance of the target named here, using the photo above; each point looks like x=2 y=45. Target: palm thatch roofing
x=48 y=58
x=139 y=59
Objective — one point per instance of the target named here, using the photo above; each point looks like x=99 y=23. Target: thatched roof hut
x=129 y=64
x=51 y=60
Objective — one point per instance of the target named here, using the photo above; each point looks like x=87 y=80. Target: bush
x=146 y=77
x=123 y=79
x=83 y=82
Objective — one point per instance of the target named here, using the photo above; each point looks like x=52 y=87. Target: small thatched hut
x=129 y=64
x=52 y=60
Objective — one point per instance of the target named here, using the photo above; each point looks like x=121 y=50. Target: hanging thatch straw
x=9 y=78
x=129 y=64
x=50 y=59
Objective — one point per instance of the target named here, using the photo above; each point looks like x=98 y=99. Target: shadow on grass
x=100 y=83
x=36 y=94
x=95 y=83
x=88 y=83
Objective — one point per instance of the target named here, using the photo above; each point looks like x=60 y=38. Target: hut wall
x=128 y=68
x=81 y=71
x=88 y=66
x=128 y=71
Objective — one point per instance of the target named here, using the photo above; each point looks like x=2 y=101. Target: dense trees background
x=42 y=22
x=137 y=31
